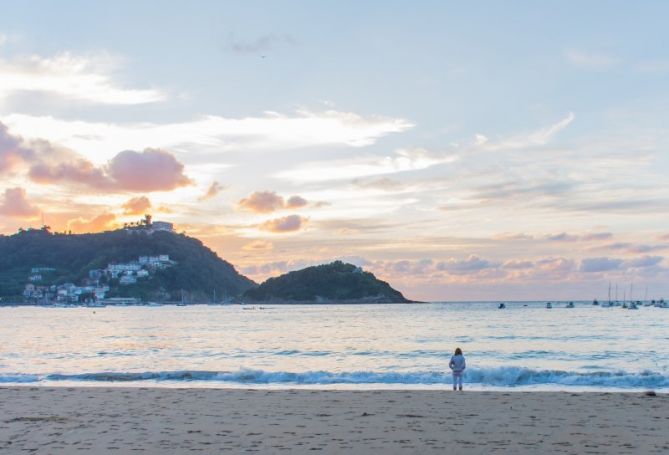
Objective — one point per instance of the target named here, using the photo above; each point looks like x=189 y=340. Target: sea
x=525 y=347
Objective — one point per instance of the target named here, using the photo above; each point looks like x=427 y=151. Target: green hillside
x=198 y=272
x=336 y=282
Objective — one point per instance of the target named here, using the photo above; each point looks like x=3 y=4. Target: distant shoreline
x=586 y=302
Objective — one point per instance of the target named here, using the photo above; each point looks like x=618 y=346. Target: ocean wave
x=18 y=378
x=497 y=377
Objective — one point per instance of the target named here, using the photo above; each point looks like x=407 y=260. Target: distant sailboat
x=608 y=302
x=624 y=299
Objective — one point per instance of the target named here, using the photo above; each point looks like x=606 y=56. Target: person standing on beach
x=457 y=366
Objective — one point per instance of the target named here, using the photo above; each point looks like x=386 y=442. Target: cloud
x=99 y=223
x=472 y=264
x=605 y=264
x=590 y=60
x=516 y=264
x=601 y=264
x=147 y=171
x=633 y=248
x=536 y=138
x=269 y=201
x=644 y=261
x=381 y=183
x=597 y=236
x=262 y=202
x=562 y=237
x=12 y=151
x=78 y=171
x=290 y=223
x=295 y=202
x=258 y=245
x=74 y=77
x=137 y=206
x=213 y=134
x=593 y=236
x=403 y=160
x=214 y=189
x=522 y=190
x=272 y=268
x=262 y=44
x=150 y=170
x=554 y=268
x=16 y=204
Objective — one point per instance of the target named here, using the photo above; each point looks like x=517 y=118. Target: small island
x=336 y=282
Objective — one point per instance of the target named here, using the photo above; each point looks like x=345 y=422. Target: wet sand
x=116 y=420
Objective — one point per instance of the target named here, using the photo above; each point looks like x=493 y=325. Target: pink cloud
x=16 y=204
x=295 y=202
x=262 y=202
x=12 y=151
x=79 y=171
x=150 y=170
x=212 y=191
x=288 y=223
x=147 y=171
x=269 y=201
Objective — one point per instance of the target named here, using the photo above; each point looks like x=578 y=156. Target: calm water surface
x=338 y=346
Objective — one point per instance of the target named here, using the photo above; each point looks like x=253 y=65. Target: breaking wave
x=496 y=377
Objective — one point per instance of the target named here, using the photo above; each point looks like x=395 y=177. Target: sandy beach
x=173 y=421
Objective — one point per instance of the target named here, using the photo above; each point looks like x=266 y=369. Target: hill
x=193 y=270
x=336 y=282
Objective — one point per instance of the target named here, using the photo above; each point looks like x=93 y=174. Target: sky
x=461 y=151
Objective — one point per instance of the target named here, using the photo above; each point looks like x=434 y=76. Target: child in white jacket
x=457 y=366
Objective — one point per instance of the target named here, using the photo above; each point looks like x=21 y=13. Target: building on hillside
x=127 y=279
x=118 y=269
x=162 y=226
x=148 y=226
x=95 y=274
x=159 y=261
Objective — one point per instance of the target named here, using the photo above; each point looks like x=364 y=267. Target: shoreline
x=100 y=420
x=339 y=387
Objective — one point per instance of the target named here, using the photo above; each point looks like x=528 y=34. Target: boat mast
x=632 y=291
x=609 y=292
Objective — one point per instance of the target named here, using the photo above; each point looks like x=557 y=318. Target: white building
x=162 y=260
x=118 y=269
x=162 y=226
x=127 y=279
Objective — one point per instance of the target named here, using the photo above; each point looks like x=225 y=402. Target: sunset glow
x=457 y=163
